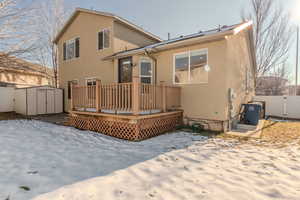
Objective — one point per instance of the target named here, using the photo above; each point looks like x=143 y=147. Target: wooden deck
x=131 y=111
x=128 y=127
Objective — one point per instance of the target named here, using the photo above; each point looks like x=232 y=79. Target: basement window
x=191 y=67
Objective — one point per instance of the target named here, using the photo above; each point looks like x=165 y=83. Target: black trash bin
x=252 y=114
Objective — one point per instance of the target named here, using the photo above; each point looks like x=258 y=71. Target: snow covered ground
x=170 y=167
x=44 y=157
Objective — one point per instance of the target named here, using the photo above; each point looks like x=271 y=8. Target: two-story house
x=111 y=68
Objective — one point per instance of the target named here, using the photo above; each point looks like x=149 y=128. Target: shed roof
x=117 y=18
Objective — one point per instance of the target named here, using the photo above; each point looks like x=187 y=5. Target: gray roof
x=221 y=29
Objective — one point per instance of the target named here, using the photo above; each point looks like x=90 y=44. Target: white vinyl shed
x=38 y=100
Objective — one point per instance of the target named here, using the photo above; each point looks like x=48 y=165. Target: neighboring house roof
x=9 y=63
x=117 y=18
x=271 y=85
x=271 y=78
x=184 y=40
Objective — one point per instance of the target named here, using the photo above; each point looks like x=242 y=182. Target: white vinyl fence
x=6 y=99
x=33 y=101
x=281 y=106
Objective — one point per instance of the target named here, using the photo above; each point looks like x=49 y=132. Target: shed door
x=41 y=102
x=50 y=101
x=58 y=101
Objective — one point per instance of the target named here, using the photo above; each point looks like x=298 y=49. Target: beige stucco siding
x=89 y=64
x=239 y=73
x=229 y=60
x=132 y=37
x=205 y=100
x=123 y=45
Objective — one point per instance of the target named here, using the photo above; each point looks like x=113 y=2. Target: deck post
x=98 y=95
x=72 y=97
x=164 y=96
x=135 y=95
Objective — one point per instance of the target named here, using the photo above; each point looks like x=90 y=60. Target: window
x=90 y=82
x=146 y=71
x=75 y=82
x=71 y=49
x=182 y=68
x=103 y=39
x=91 y=91
x=191 y=67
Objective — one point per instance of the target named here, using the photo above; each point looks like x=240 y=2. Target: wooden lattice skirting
x=134 y=129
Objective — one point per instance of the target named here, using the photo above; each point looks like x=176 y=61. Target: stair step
x=245 y=127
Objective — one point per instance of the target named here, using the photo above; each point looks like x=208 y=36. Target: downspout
x=155 y=64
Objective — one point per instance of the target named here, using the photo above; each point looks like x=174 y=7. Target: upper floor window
x=191 y=67
x=146 y=71
x=103 y=39
x=71 y=49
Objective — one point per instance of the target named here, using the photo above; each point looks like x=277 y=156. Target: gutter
x=176 y=44
x=180 y=43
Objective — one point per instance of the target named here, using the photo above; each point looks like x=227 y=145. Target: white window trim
x=74 y=58
x=145 y=59
x=109 y=45
x=90 y=79
x=189 y=68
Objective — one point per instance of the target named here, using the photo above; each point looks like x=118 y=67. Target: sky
x=179 y=17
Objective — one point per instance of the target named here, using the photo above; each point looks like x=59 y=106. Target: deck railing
x=132 y=97
x=116 y=96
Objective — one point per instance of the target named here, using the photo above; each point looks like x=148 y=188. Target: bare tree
x=272 y=34
x=16 y=37
x=51 y=17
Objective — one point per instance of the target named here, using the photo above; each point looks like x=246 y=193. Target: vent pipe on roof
x=169 y=36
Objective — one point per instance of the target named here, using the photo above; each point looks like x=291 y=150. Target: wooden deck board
x=124 y=116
